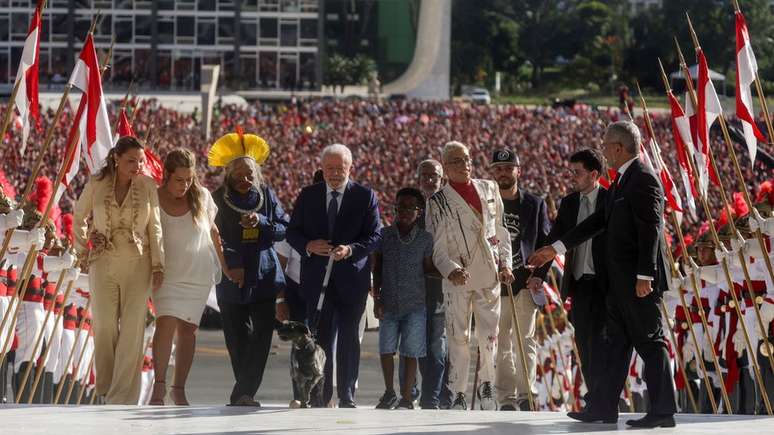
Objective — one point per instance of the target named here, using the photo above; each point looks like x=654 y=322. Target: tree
x=338 y=72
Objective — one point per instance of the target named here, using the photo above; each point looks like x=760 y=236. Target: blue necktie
x=333 y=209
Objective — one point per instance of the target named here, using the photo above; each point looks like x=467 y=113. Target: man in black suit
x=633 y=221
x=584 y=277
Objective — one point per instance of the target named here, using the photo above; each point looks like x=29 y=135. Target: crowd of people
x=467 y=195
x=387 y=139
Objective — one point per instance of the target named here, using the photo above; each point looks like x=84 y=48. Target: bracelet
x=279 y=301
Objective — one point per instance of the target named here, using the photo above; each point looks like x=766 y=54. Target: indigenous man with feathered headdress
x=250 y=219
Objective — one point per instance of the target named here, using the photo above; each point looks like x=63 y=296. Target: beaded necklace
x=231 y=205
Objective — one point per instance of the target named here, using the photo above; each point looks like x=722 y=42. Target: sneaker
x=460 y=403
x=405 y=404
x=486 y=397
x=388 y=400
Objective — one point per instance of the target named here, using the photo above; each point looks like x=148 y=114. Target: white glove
x=38 y=236
x=55 y=264
x=71 y=274
x=737 y=242
x=12 y=220
x=753 y=248
x=675 y=284
x=756 y=221
x=713 y=274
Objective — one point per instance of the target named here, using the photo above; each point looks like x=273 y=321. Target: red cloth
x=469 y=194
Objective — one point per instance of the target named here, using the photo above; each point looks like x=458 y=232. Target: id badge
x=250 y=234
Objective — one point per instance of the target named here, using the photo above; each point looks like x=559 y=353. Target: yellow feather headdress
x=235 y=145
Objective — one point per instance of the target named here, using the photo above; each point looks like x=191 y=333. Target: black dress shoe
x=651 y=421
x=347 y=404
x=586 y=417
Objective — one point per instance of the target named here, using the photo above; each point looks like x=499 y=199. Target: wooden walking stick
x=59 y=316
x=66 y=375
x=520 y=341
x=475 y=378
x=725 y=260
x=37 y=342
x=675 y=273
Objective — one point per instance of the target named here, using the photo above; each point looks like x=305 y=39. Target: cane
x=475 y=379
x=521 y=348
x=321 y=300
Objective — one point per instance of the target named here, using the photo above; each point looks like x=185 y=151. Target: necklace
x=412 y=236
x=228 y=202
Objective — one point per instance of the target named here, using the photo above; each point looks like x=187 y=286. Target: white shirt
x=329 y=196
x=293 y=266
x=561 y=249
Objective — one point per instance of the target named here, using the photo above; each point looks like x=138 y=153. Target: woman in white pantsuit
x=193 y=267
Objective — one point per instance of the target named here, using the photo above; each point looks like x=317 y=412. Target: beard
x=506 y=184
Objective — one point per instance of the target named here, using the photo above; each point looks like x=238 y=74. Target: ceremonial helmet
x=238 y=145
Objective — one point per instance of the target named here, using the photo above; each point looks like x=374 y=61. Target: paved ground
x=85 y=420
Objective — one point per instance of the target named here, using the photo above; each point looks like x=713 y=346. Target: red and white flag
x=153 y=166
x=746 y=69
x=27 y=77
x=670 y=193
x=681 y=131
x=72 y=165
x=707 y=113
x=96 y=138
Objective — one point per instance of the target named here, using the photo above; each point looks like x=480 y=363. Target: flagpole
x=36 y=343
x=566 y=320
x=742 y=257
x=123 y=102
x=770 y=130
x=77 y=366
x=72 y=351
x=687 y=261
x=676 y=274
x=724 y=260
x=59 y=316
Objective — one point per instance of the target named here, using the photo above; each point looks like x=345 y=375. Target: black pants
x=632 y=322
x=27 y=389
x=248 y=329
x=588 y=319
x=339 y=323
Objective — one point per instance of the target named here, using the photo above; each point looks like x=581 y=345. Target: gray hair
x=627 y=134
x=433 y=162
x=231 y=166
x=337 y=149
x=451 y=146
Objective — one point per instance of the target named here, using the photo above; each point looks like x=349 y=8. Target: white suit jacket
x=464 y=238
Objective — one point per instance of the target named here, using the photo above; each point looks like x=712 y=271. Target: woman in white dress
x=194 y=263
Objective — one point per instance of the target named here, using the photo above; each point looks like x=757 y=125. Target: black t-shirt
x=511 y=215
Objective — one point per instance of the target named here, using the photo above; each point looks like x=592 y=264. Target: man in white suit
x=472 y=251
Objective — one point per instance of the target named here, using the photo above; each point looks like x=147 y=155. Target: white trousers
x=485 y=305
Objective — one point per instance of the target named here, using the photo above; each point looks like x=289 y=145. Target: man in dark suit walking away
x=585 y=277
x=634 y=223
x=338 y=218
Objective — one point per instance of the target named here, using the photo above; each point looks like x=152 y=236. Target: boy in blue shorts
x=401 y=262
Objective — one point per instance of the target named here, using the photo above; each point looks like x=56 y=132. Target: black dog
x=307 y=362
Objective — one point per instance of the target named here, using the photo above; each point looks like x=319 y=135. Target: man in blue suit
x=338 y=218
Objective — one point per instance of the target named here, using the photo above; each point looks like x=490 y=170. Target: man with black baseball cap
x=526 y=218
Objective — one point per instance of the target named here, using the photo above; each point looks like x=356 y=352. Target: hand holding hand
x=319 y=247
x=535 y=285
x=249 y=220
x=459 y=277
x=542 y=256
x=341 y=252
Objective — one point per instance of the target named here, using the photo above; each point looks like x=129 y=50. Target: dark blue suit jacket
x=357 y=225
x=263 y=275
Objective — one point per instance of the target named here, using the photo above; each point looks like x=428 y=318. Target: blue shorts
x=409 y=329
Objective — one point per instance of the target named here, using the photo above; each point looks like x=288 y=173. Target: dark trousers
x=632 y=322
x=4 y=393
x=339 y=322
x=27 y=388
x=588 y=319
x=248 y=329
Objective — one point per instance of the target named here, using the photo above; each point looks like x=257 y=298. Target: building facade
x=161 y=44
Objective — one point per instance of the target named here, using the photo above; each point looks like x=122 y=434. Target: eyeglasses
x=406 y=209
x=460 y=161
